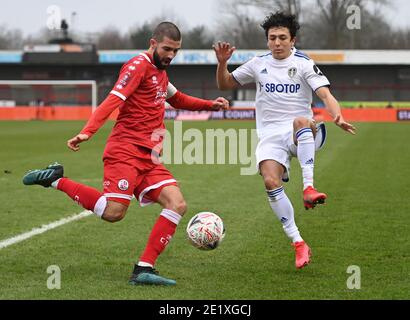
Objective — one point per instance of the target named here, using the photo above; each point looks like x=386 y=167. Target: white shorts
x=279 y=145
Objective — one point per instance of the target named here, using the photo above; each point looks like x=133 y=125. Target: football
x=205 y=230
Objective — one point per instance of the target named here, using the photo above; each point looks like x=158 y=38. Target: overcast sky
x=93 y=15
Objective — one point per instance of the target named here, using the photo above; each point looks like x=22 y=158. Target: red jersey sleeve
x=101 y=114
x=130 y=77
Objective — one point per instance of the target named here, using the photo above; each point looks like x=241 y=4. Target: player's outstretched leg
x=172 y=200
x=53 y=176
x=44 y=177
x=161 y=234
x=282 y=207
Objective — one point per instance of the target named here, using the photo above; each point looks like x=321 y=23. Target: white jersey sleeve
x=171 y=90
x=314 y=77
x=245 y=73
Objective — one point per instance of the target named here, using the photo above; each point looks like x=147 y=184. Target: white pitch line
x=24 y=236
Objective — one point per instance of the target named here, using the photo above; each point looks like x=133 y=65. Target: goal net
x=53 y=93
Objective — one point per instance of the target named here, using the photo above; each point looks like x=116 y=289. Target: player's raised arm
x=97 y=119
x=333 y=108
x=224 y=79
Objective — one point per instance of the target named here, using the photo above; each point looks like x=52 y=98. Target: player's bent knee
x=114 y=212
x=113 y=216
x=301 y=122
x=171 y=198
x=179 y=207
x=272 y=183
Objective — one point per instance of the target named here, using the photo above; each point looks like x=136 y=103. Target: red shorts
x=130 y=171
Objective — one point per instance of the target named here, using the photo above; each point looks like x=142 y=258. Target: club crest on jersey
x=124 y=80
x=292 y=72
x=123 y=185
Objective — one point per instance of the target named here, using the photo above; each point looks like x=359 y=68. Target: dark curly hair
x=281 y=19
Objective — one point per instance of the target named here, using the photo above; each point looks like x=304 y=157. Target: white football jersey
x=283 y=87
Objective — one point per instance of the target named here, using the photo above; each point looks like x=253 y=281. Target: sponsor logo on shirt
x=160 y=96
x=282 y=88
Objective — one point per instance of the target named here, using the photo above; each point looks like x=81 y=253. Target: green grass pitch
x=365 y=222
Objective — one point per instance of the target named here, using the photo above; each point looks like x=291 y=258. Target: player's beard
x=157 y=61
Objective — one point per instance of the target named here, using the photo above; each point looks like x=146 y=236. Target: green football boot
x=149 y=276
x=44 y=177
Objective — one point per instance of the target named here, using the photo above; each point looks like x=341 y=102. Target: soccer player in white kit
x=284 y=80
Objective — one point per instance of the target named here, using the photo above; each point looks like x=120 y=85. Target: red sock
x=160 y=236
x=82 y=194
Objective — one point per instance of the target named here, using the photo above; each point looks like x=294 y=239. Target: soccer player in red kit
x=131 y=166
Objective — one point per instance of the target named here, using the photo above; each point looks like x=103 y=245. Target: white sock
x=171 y=216
x=145 y=264
x=54 y=184
x=283 y=209
x=100 y=206
x=306 y=155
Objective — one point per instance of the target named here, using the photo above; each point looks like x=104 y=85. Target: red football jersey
x=143 y=87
